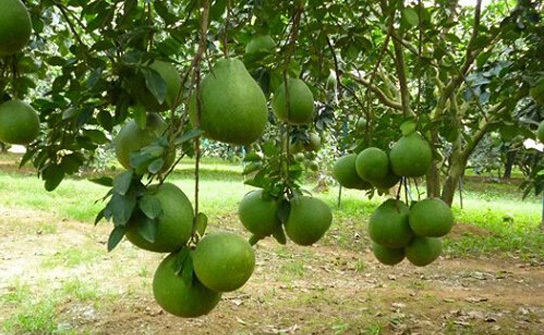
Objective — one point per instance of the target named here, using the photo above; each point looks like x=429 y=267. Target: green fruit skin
x=301 y=103
x=537 y=93
x=258 y=214
x=176 y=297
x=15 y=27
x=387 y=182
x=19 y=122
x=233 y=106
x=171 y=76
x=388 y=256
x=132 y=138
x=223 y=262
x=411 y=156
x=259 y=46
x=308 y=220
x=389 y=225
x=314 y=142
x=345 y=173
x=431 y=218
x=540 y=132
x=175 y=224
x=372 y=164
x=423 y=250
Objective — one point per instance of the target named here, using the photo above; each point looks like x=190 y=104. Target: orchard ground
x=57 y=278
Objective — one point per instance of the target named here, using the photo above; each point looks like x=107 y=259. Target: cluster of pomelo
x=19 y=122
x=396 y=230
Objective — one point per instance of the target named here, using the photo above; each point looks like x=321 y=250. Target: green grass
x=510 y=225
x=73 y=256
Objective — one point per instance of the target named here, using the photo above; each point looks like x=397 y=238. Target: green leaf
x=156 y=166
x=105 y=120
x=284 y=209
x=121 y=183
x=99 y=216
x=115 y=237
x=252 y=168
x=52 y=175
x=104 y=181
x=279 y=236
x=180 y=260
x=201 y=223
x=410 y=16
x=187 y=273
x=150 y=206
x=140 y=116
x=120 y=209
x=408 y=127
x=96 y=136
x=252 y=157
x=189 y=135
x=147 y=228
x=155 y=84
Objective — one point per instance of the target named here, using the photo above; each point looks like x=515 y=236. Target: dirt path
x=295 y=290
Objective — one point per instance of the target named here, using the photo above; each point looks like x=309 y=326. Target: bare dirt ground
x=323 y=289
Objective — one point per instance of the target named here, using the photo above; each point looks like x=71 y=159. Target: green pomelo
x=312 y=165
x=233 y=106
x=537 y=93
x=431 y=218
x=345 y=173
x=360 y=124
x=19 y=122
x=389 y=225
x=314 y=142
x=372 y=164
x=15 y=27
x=169 y=73
x=179 y=298
x=132 y=138
x=301 y=102
x=423 y=250
x=308 y=220
x=540 y=132
x=387 y=182
x=174 y=225
x=387 y=256
x=223 y=261
x=258 y=213
x=259 y=46
x=411 y=156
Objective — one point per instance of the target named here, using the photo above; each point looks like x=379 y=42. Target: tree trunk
x=456 y=171
x=433 y=181
x=510 y=159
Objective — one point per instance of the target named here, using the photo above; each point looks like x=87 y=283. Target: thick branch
x=379 y=93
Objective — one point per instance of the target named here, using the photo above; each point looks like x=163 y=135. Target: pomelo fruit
x=132 y=138
x=411 y=156
x=308 y=220
x=372 y=164
x=19 y=122
x=387 y=256
x=301 y=102
x=174 y=225
x=169 y=73
x=15 y=27
x=259 y=46
x=233 y=106
x=176 y=297
x=423 y=250
x=389 y=225
x=223 y=261
x=540 y=132
x=387 y=182
x=345 y=173
x=537 y=93
x=314 y=142
x=258 y=213
x=431 y=218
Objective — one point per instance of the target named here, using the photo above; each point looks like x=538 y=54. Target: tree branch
x=379 y=93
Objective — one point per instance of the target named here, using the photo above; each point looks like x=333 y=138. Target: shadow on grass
x=208 y=174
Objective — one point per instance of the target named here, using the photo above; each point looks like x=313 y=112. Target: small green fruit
x=387 y=256
x=19 y=122
x=223 y=261
x=372 y=164
x=345 y=173
x=15 y=27
x=423 y=250
x=176 y=296
x=431 y=218
x=411 y=156
x=301 y=102
x=389 y=225
x=308 y=220
x=258 y=213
